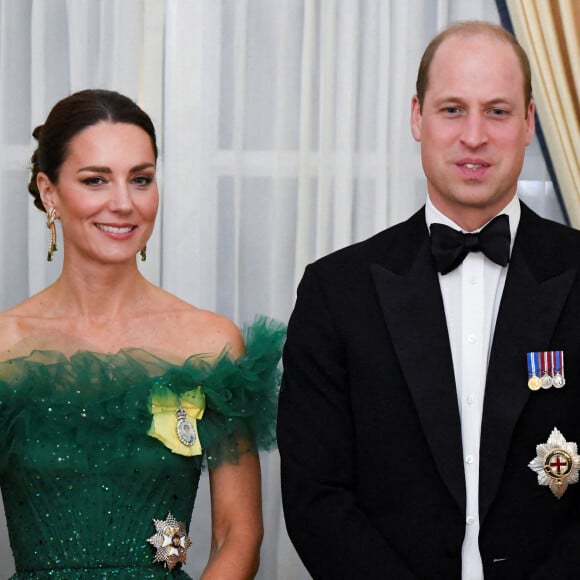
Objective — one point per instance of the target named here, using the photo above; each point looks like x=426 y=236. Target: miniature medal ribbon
x=557 y=463
x=174 y=420
x=545 y=369
x=171 y=542
x=558 y=368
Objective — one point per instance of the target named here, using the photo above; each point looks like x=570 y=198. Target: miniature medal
x=545 y=369
x=534 y=381
x=546 y=378
x=558 y=380
x=171 y=541
x=557 y=463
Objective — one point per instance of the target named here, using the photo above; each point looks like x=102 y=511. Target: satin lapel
x=526 y=320
x=413 y=309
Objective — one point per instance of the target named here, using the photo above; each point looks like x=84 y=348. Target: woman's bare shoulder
x=9 y=330
x=19 y=322
x=192 y=330
x=168 y=326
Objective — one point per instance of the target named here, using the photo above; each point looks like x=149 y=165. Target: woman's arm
x=236 y=513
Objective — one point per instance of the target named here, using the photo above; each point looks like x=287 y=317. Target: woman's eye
x=142 y=180
x=92 y=181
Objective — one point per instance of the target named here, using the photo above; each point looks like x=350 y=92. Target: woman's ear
x=46 y=189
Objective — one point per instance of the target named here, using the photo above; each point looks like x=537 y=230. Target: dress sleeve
x=242 y=396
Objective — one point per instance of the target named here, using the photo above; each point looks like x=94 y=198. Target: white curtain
x=284 y=134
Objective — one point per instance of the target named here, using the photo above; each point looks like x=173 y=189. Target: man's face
x=473 y=129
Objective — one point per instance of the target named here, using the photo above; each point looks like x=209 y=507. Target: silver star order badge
x=171 y=541
x=557 y=463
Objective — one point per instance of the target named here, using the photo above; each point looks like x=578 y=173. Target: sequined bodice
x=81 y=478
x=89 y=502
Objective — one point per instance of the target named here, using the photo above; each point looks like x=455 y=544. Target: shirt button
x=472 y=338
x=470 y=520
x=473 y=280
x=469 y=459
x=469 y=400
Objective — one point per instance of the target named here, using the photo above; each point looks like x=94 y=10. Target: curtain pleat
x=305 y=212
x=553 y=48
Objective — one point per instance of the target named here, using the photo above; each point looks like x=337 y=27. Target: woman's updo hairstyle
x=72 y=115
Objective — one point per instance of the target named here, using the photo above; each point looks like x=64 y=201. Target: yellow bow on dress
x=168 y=409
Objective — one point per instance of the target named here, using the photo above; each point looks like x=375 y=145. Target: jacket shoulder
x=547 y=242
x=386 y=247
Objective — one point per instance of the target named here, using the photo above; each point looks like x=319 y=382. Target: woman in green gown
x=115 y=393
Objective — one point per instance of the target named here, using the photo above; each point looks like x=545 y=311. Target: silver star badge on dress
x=171 y=541
x=557 y=463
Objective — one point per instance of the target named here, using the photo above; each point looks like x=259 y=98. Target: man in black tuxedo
x=411 y=405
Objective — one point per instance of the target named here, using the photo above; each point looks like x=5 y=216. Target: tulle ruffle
x=93 y=394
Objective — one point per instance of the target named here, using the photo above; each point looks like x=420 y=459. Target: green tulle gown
x=83 y=479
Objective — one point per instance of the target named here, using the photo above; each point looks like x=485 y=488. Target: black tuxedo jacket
x=369 y=431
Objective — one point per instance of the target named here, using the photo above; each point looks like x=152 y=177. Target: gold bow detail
x=164 y=405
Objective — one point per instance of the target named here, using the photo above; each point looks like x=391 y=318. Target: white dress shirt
x=471 y=297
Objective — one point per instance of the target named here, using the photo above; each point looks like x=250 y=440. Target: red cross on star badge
x=557 y=463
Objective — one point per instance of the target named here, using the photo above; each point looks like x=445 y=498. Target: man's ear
x=531 y=122
x=416 y=118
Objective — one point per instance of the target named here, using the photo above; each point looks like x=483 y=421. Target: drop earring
x=143 y=253
x=50 y=224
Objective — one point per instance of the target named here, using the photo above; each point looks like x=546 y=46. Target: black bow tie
x=449 y=247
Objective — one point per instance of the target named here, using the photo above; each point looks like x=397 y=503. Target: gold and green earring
x=143 y=253
x=50 y=224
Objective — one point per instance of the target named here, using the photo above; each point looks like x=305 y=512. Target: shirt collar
x=512 y=210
